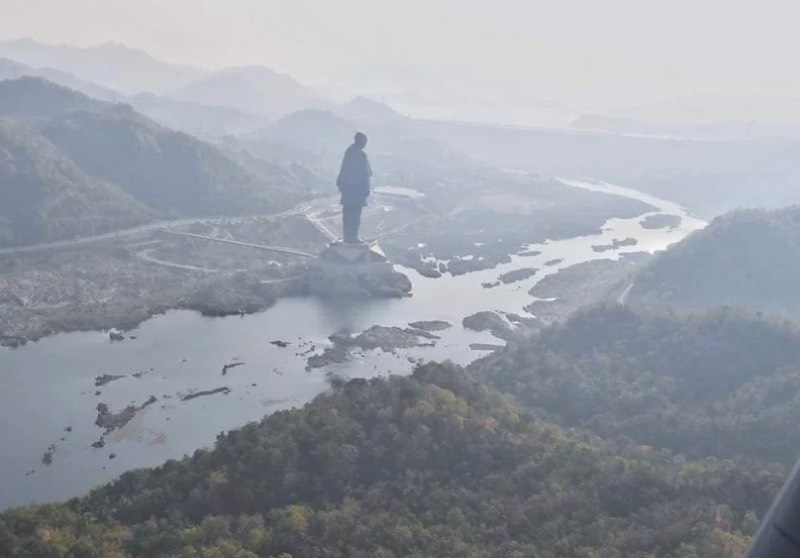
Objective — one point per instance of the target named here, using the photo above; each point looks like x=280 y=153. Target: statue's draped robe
x=354 y=177
x=354 y=185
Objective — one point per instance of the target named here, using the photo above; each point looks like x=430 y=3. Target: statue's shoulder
x=352 y=152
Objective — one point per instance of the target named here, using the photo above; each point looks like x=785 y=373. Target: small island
x=661 y=221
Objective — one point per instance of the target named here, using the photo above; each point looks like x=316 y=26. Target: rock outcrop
x=387 y=339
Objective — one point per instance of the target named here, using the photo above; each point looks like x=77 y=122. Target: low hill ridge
x=721 y=384
x=253 y=89
x=46 y=197
x=748 y=258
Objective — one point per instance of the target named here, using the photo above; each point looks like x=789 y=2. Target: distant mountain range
x=399 y=151
x=314 y=137
x=112 y=65
x=363 y=109
x=200 y=102
x=749 y=259
x=196 y=119
x=131 y=159
x=193 y=118
x=125 y=72
x=11 y=69
x=254 y=165
x=253 y=89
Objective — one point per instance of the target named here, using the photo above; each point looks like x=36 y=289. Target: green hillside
x=747 y=258
x=167 y=170
x=172 y=173
x=37 y=99
x=431 y=465
x=46 y=197
x=720 y=384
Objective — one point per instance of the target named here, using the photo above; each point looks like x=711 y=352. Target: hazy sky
x=567 y=51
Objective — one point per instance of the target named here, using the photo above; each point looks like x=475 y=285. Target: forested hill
x=47 y=197
x=38 y=99
x=171 y=173
x=720 y=384
x=747 y=258
x=429 y=465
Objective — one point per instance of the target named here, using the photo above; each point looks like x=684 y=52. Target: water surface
x=48 y=386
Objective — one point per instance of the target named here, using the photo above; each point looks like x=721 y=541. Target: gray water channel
x=48 y=398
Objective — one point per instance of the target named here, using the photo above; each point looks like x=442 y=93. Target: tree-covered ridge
x=36 y=99
x=430 y=465
x=747 y=258
x=47 y=197
x=154 y=172
x=720 y=384
x=170 y=171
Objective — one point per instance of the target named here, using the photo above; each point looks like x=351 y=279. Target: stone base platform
x=358 y=269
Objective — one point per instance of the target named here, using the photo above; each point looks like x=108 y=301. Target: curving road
x=314 y=210
x=302 y=208
x=145 y=255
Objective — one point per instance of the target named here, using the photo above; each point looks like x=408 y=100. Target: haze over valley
x=571 y=329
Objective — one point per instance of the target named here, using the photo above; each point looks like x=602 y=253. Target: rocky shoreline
x=119 y=283
x=232 y=296
x=107 y=290
x=581 y=285
x=114 y=421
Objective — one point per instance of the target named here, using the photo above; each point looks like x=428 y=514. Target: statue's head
x=360 y=140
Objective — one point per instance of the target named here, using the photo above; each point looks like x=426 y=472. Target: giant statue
x=354 y=185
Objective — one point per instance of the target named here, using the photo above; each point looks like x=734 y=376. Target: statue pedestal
x=359 y=269
x=355 y=257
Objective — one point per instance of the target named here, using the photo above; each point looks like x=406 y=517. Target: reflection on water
x=346 y=314
x=47 y=388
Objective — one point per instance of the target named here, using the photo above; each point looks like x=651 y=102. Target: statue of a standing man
x=354 y=184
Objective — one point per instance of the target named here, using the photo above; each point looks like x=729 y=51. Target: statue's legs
x=351 y=222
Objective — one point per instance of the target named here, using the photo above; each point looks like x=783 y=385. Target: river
x=48 y=398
